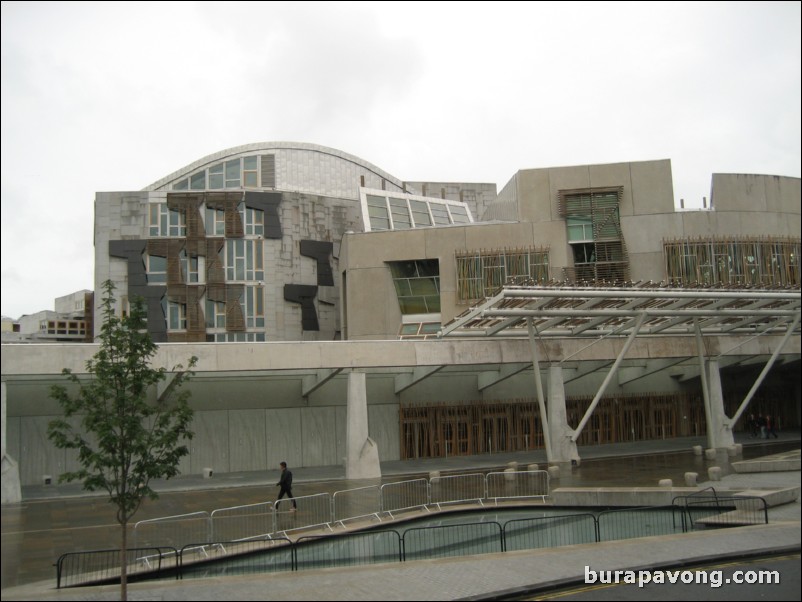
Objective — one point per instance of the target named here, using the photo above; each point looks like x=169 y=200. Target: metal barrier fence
x=173 y=531
x=640 y=522
x=101 y=566
x=458 y=488
x=313 y=511
x=347 y=550
x=518 y=484
x=270 y=554
x=356 y=503
x=453 y=540
x=238 y=557
x=550 y=531
x=251 y=521
x=727 y=511
x=405 y=495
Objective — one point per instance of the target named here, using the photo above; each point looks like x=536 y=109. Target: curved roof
x=258 y=147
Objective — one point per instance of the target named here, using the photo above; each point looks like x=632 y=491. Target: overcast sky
x=115 y=96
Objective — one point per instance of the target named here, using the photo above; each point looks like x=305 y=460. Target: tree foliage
x=126 y=438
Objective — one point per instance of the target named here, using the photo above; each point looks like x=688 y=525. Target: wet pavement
x=61 y=518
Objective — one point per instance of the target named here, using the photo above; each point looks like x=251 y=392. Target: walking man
x=285 y=482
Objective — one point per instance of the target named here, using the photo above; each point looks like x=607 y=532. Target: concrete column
x=11 y=491
x=563 y=448
x=362 y=453
x=721 y=432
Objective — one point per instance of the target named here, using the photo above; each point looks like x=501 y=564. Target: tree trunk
x=124 y=563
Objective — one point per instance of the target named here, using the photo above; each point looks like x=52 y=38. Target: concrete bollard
x=739 y=449
x=513 y=465
x=690 y=479
x=665 y=483
x=714 y=472
x=434 y=474
x=697 y=450
x=509 y=474
x=732 y=451
x=532 y=467
x=207 y=473
x=710 y=454
x=554 y=472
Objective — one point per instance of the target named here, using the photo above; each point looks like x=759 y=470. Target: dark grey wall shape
x=320 y=251
x=131 y=250
x=305 y=295
x=267 y=202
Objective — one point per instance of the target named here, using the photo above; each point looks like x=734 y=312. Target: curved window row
x=242 y=172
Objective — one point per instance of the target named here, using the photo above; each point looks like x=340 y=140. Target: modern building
x=341 y=314
x=71 y=321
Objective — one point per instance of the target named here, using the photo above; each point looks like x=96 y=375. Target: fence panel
x=453 y=540
x=173 y=531
x=518 y=484
x=347 y=549
x=99 y=566
x=243 y=522
x=356 y=503
x=458 y=488
x=549 y=531
x=640 y=522
x=405 y=495
x=313 y=511
x=727 y=512
x=229 y=558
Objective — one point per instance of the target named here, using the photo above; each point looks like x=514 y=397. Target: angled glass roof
x=389 y=210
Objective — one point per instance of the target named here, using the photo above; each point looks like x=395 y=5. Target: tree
x=125 y=438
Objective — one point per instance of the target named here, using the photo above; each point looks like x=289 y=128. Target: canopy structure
x=570 y=312
x=592 y=312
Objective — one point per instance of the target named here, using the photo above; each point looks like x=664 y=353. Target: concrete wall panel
x=283 y=435
x=247 y=439
x=319 y=437
x=210 y=445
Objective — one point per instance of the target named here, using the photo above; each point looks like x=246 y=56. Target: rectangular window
x=377 y=211
x=420 y=213
x=244 y=260
x=215 y=222
x=440 y=214
x=216 y=177
x=459 y=215
x=417 y=285
x=249 y=172
x=232 y=174
x=253 y=306
x=157 y=269
x=176 y=316
x=192 y=268
x=400 y=213
x=254 y=220
x=198 y=181
x=166 y=222
x=215 y=314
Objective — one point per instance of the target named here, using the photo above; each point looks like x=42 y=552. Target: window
x=417 y=284
x=166 y=222
x=481 y=273
x=400 y=213
x=232 y=173
x=253 y=306
x=240 y=337
x=249 y=172
x=216 y=178
x=198 y=181
x=459 y=215
x=215 y=222
x=420 y=213
x=176 y=314
x=253 y=220
x=192 y=268
x=215 y=314
x=244 y=260
x=156 y=269
x=181 y=185
x=377 y=212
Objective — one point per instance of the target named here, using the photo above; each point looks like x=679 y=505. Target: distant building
x=70 y=322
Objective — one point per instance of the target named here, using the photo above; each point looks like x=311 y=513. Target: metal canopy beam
x=405 y=381
x=575 y=311
x=310 y=384
x=608 y=378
